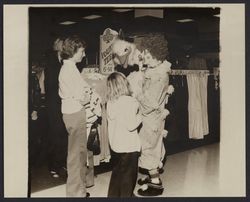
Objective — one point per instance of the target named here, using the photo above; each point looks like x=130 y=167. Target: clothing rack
x=183 y=72
x=200 y=72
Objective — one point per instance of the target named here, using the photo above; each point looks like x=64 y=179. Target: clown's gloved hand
x=164 y=133
x=165 y=113
x=169 y=92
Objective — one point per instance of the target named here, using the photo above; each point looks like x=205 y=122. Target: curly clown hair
x=156 y=44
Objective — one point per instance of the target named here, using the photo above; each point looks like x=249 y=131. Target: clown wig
x=156 y=44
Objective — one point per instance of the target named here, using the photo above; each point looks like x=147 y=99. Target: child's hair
x=118 y=85
x=71 y=45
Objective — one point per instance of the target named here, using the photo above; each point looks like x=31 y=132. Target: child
x=123 y=120
x=93 y=108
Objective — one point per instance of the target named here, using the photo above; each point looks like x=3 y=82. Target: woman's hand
x=34 y=115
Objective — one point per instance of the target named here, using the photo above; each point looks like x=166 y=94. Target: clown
x=150 y=85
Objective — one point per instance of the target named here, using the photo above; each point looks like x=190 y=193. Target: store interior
x=190 y=32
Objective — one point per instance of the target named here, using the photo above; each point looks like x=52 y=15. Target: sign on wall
x=106 y=60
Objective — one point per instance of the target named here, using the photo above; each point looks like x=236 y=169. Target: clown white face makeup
x=149 y=60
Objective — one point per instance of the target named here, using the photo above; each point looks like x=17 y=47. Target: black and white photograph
x=124 y=101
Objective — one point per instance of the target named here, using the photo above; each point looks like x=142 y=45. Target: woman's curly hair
x=156 y=44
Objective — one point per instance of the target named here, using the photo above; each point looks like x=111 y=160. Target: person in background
x=57 y=134
x=74 y=99
x=34 y=112
x=123 y=120
x=35 y=91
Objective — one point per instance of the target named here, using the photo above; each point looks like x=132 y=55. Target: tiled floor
x=190 y=173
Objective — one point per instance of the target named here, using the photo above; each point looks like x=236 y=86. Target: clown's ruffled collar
x=162 y=68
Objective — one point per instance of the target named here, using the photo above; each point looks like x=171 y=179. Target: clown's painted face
x=149 y=60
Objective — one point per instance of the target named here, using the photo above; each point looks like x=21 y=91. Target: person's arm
x=36 y=97
x=133 y=116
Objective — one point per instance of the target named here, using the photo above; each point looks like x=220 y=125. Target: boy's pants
x=77 y=153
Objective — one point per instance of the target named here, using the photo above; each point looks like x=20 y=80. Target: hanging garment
x=197 y=106
x=203 y=91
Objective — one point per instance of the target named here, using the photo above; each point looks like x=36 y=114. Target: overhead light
x=67 y=23
x=158 y=13
x=121 y=10
x=185 y=20
x=90 y=17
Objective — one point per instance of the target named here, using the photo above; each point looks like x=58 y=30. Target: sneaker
x=147 y=180
x=54 y=174
x=160 y=170
x=150 y=189
x=144 y=181
x=144 y=171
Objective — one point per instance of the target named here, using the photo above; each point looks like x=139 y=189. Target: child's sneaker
x=54 y=174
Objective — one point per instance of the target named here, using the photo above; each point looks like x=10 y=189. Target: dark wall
x=202 y=34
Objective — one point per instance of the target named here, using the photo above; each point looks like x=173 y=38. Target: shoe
x=160 y=170
x=150 y=189
x=87 y=195
x=147 y=180
x=144 y=181
x=144 y=171
x=54 y=174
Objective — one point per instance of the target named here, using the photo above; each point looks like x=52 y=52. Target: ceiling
x=183 y=27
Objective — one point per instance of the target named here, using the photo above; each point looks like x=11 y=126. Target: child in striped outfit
x=93 y=108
